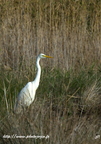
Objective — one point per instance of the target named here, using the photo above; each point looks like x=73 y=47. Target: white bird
x=27 y=94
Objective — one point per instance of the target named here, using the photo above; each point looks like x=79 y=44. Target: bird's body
x=27 y=94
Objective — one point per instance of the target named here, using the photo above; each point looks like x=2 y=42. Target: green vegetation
x=68 y=101
x=65 y=103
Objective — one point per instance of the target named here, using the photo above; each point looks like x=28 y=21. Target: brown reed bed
x=67 y=30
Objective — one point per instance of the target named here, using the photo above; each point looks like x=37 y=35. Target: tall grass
x=67 y=30
x=67 y=107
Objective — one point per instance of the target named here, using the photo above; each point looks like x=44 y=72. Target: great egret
x=27 y=94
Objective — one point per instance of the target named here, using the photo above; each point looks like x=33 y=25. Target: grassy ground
x=68 y=102
x=67 y=108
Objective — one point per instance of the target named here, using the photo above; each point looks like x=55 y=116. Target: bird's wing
x=25 y=97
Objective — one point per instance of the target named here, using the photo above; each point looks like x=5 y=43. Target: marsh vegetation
x=67 y=107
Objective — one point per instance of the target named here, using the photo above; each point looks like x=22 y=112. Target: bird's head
x=44 y=56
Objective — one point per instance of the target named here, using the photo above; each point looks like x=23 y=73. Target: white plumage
x=27 y=94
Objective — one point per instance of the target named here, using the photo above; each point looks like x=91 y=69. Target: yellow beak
x=47 y=56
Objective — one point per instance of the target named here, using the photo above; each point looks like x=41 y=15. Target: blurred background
x=68 y=30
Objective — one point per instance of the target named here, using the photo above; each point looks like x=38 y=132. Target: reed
x=67 y=30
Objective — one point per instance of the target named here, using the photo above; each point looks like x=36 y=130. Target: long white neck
x=37 y=79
